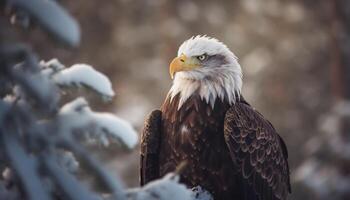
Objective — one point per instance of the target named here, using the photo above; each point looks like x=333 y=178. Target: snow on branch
x=82 y=74
x=167 y=188
x=51 y=67
x=78 y=75
x=77 y=115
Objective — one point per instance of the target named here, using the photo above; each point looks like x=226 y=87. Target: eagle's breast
x=194 y=133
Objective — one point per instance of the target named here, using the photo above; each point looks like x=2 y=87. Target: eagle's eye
x=202 y=57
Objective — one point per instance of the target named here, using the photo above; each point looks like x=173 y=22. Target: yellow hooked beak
x=182 y=63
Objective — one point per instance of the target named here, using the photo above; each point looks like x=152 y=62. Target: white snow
x=104 y=126
x=50 y=67
x=67 y=160
x=167 y=188
x=83 y=74
x=201 y=194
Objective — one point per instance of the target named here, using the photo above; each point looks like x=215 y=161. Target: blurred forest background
x=295 y=56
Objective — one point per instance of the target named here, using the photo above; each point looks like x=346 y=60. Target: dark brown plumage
x=231 y=151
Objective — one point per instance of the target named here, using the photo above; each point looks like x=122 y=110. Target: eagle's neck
x=225 y=85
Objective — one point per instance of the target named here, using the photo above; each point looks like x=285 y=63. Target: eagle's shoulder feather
x=257 y=151
x=150 y=142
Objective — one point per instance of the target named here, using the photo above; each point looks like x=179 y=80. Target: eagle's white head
x=206 y=66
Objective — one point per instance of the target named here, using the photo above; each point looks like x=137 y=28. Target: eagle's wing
x=257 y=152
x=150 y=141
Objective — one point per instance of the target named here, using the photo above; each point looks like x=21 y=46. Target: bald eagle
x=231 y=150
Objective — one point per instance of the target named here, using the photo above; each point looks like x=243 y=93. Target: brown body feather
x=231 y=151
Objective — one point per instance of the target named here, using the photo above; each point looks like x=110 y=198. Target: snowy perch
x=77 y=115
x=167 y=188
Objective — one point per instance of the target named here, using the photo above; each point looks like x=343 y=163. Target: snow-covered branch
x=78 y=75
x=77 y=115
x=168 y=188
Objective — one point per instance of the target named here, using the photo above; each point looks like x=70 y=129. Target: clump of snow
x=77 y=115
x=201 y=194
x=167 y=188
x=50 y=67
x=67 y=160
x=9 y=98
x=84 y=75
